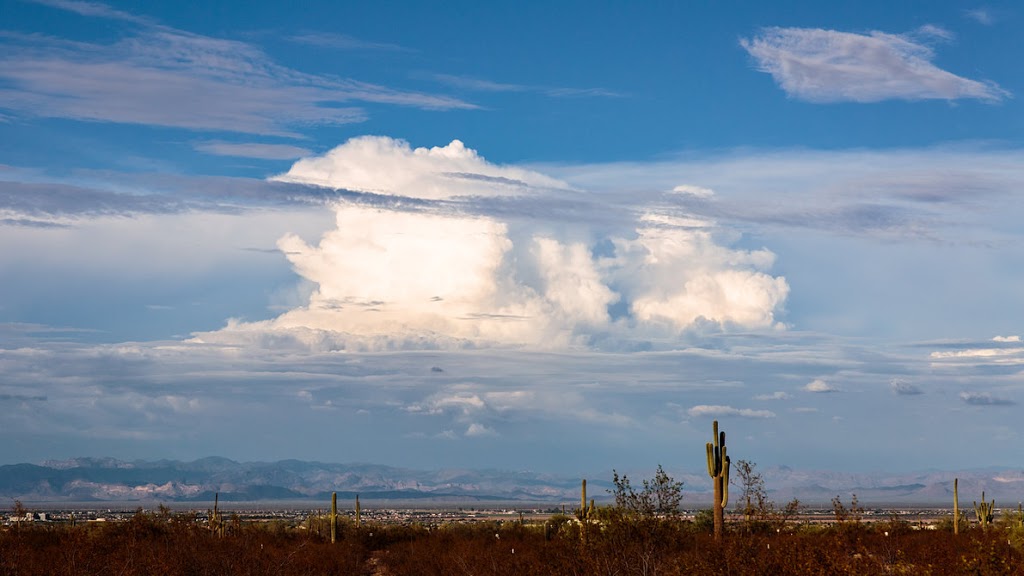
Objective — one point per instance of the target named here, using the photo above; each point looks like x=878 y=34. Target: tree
x=753 y=499
x=660 y=496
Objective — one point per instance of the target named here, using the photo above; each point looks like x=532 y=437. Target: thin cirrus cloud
x=253 y=150
x=160 y=76
x=705 y=410
x=481 y=85
x=437 y=267
x=824 y=66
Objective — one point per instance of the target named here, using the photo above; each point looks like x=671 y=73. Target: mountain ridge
x=88 y=479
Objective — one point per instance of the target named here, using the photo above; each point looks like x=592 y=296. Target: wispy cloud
x=482 y=85
x=819 y=65
x=709 y=411
x=963 y=195
x=343 y=42
x=773 y=396
x=253 y=150
x=981 y=16
x=93 y=9
x=985 y=399
x=161 y=76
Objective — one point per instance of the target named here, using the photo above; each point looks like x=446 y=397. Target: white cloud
x=773 y=396
x=985 y=399
x=994 y=355
x=819 y=386
x=476 y=429
x=1006 y=339
x=830 y=66
x=382 y=165
x=443 y=274
x=695 y=191
x=157 y=75
x=705 y=410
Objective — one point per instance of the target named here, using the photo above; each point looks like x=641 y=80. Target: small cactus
x=984 y=510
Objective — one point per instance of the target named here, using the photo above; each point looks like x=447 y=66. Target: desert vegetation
x=641 y=532
x=617 y=541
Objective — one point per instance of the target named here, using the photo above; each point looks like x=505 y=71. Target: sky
x=554 y=236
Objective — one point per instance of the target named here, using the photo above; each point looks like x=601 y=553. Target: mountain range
x=109 y=480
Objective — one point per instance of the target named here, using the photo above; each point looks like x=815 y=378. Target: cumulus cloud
x=903 y=388
x=382 y=165
x=704 y=410
x=819 y=386
x=831 y=66
x=439 y=269
x=477 y=429
x=1006 y=339
x=985 y=399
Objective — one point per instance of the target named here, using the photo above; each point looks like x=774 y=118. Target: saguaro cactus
x=585 y=514
x=956 y=507
x=718 y=469
x=216 y=522
x=334 y=517
x=358 y=510
x=984 y=510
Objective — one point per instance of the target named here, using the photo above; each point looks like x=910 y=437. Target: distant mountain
x=107 y=479
x=111 y=480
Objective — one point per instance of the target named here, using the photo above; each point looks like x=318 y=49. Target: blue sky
x=556 y=236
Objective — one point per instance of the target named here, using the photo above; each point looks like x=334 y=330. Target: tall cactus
x=334 y=517
x=585 y=514
x=358 y=511
x=718 y=469
x=216 y=522
x=956 y=507
x=984 y=510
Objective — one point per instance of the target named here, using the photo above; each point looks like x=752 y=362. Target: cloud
x=773 y=396
x=985 y=399
x=343 y=42
x=1006 y=339
x=452 y=270
x=981 y=16
x=253 y=150
x=963 y=194
x=476 y=429
x=159 y=76
x=903 y=388
x=481 y=85
x=822 y=66
x=703 y=410
x=819 y=386
x=92 y=9
x=382 y=165
x=695 y=191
